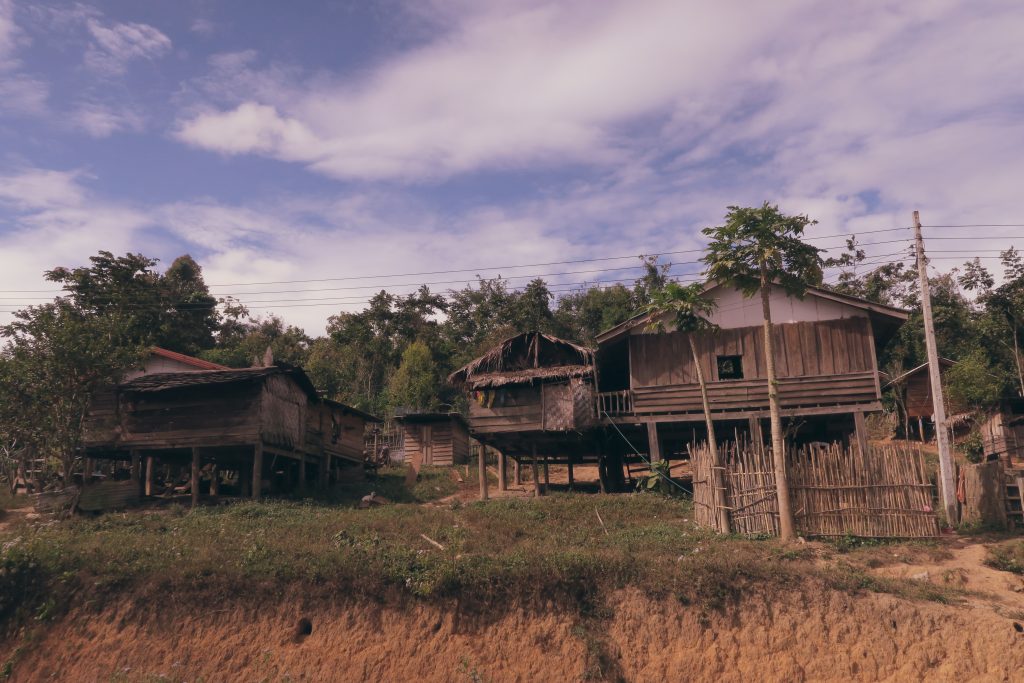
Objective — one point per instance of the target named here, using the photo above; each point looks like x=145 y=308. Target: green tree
x=581 y=316
x=415 y=386
x=56 y=358
x=756 y=250
x=192 y=319
x=689 y=310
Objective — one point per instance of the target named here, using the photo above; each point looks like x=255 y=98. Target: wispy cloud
x=102 y=120
x=116 y=44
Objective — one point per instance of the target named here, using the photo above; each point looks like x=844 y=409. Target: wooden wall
x=439 y=442
x=819 y=363
x=919 y=395
x=803 y=349
x=283 y=413
x=566 y=405
x=332 y=430
x=200 y=416
x=515 y=408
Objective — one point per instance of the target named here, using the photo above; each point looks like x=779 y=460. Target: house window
x=730 y=367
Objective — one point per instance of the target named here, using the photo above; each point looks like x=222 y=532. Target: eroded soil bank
x=813 y=634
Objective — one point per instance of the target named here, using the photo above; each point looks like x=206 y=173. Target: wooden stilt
x=536 y=473
x=257 y=471
x=502 y=481
x=571 y=480
x=755 y=431
x=653 y=445
x=862 y=432
x=517 y=476
x=920 y=428
x=150 y=465
x=214 y=481
x=482 y=466
x=195 y=477
x=547 y=480
x=90 y=467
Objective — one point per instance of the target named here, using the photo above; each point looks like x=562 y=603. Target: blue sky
x=304 y=141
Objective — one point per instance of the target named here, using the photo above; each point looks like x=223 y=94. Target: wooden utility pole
x=938 y=401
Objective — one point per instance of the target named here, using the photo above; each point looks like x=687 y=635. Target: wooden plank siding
x=438 y=442
x=818 y=363
x=561 y=406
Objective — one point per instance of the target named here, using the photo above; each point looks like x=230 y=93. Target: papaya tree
x=688 y=309
x=756 y=250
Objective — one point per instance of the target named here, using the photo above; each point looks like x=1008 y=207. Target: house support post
x=654 y=446
x=756 y=436
x=257 y=471
x=571 y=480
x=482 y=466
x=195 y=476
x=214 y=481
x=517 y=476
x=536 y=473
x=920 y=428
x=502 y=480
x=547 y=480
x=90 y=467
x=324 y=473
x=861 y=428
x=150 y=466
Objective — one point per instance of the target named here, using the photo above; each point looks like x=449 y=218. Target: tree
x=689 y=308
x=415 y=386
x=192 y=320
x=56 y=358
x=755 y=250
x=246 y=341
x=581 y=316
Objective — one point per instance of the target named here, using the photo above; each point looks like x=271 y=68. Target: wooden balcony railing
x=615 y=403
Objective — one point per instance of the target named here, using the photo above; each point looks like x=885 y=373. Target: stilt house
x=915 y=393
x=531 y=392
x=825 y=357
x=263 y=424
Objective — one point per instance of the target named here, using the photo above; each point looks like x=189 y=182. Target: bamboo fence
x=834 y=491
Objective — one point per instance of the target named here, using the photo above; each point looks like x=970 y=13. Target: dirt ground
x=807 y=635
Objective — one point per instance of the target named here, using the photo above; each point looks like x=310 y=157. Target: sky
x=310 y=154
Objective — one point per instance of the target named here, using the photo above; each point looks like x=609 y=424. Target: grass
x=1007 y=558
x=507 y=549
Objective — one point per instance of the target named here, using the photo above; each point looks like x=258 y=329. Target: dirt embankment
x=813 y=635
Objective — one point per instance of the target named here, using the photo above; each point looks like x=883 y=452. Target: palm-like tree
x=689 y=308
x=757 y=249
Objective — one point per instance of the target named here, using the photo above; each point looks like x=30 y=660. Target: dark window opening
x=730 y=367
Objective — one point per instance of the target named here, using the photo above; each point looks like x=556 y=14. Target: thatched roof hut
x=523 y=359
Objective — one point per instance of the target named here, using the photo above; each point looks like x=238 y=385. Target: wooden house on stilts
x=259 y=429
x=532 y=396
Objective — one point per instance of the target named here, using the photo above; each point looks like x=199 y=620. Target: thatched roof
x=524 y=358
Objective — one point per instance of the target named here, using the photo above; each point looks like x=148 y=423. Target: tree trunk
x=1016 y=357
x=778 y=445
x=717 y=478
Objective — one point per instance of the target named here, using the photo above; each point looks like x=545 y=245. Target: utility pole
x=938 y=401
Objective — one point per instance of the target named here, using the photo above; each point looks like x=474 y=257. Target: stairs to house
x=1014 y=501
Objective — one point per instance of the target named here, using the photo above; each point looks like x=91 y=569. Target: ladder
x=1014 y=502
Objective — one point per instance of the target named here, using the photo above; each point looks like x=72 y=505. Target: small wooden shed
x=916 y=386
x=435 y=438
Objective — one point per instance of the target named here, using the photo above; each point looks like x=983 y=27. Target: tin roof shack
x=825 y=357
x=435 y=438
x=533 y=394
x=263 y=425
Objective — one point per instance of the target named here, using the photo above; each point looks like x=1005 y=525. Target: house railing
x=615 y=402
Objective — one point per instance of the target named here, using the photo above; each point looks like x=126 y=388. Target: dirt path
x=998 y=591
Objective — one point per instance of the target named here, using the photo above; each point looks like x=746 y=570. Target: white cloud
x=203 y=27
x=115 y=45
x=40 y=189
x=102 y=120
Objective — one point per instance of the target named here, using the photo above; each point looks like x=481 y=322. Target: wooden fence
x=834 y=491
